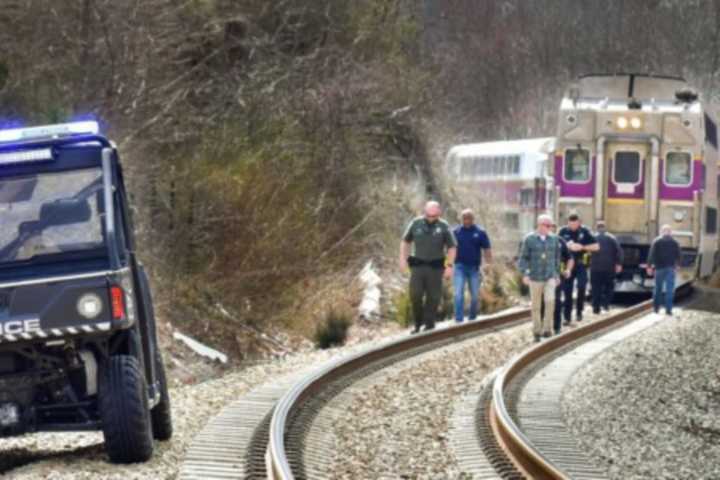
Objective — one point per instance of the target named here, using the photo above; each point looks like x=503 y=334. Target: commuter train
x=510 y=177
x=639 y=152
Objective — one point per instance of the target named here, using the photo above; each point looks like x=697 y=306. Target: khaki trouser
x=537 y=291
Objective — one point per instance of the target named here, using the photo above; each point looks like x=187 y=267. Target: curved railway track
x=277 y=448
x=290 y=417
x=529 y=459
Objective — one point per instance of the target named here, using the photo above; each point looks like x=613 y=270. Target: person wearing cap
x=566 y=266
x=605 y=264
x=663 y=261
x=473 y=244
x=431 y=239
x=580 y=242
x=539 y=263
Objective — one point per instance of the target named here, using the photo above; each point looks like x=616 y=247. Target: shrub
x=332 y=330
x=403 y=309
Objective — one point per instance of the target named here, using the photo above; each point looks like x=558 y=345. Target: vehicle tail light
x=117 y=297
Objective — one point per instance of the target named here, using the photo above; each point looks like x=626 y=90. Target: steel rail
x=521 y=451
x=277 y=462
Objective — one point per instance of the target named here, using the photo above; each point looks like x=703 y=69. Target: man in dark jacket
x=580 y=242
x=604 y=265
x=663 y=261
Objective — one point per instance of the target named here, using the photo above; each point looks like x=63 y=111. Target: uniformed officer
x=580 y=242
x=431 y=238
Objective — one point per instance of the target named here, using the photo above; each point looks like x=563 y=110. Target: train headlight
x=622 y=122
x=635 y=123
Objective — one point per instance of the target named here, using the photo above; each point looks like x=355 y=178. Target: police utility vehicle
x=78 y=346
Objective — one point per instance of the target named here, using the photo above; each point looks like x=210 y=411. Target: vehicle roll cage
x=55 y=142
x=106 y=163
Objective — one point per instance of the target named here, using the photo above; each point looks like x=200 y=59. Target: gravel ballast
x=650 y=406
x=73 y=456
x=398 y=422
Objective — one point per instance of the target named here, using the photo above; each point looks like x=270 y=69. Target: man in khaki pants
x=539 y=264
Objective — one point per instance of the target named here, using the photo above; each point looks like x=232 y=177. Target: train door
x=626 y=186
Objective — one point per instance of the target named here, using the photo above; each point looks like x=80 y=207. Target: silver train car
x=639 y=152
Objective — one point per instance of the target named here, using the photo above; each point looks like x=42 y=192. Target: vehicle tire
x=124 y=411
x=161 y=415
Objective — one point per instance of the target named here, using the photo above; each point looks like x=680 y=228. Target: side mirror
x=65 y=212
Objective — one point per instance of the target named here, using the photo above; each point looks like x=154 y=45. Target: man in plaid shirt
x=539 y=263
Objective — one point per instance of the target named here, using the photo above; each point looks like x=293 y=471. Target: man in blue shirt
x=473 y=244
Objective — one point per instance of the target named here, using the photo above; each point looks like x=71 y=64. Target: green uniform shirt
x=429 y=239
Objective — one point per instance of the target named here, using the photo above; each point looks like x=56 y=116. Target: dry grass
x=319 y=299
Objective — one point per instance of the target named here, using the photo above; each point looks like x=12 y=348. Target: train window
x=466 y=167
x=678 y=169
x=627 y=167
x=577 y=166
x=477 y=166
x=487 y=166
x=516 y=165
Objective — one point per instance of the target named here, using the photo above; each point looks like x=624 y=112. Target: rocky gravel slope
x=650 y=407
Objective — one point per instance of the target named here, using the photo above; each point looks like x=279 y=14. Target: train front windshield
x=50 y=213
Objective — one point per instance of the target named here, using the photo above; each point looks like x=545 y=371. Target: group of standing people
x=556 y=267
x=441 y=252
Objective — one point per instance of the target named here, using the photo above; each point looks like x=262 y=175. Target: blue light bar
x=49 y=131
x=26 y=156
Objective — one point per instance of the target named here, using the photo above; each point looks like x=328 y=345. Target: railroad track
x=296 y=410
x=256 y=437
x=277 y=447
x=524 y=414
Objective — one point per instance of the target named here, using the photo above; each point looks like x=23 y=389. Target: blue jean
x=664 y=277
x=471 y=275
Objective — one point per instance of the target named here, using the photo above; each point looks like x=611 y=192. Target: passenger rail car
x=639 y=152
x=511 y=176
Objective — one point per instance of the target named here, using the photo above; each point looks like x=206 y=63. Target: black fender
x=146 y=324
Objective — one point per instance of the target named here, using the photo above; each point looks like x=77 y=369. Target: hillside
x=273 y=148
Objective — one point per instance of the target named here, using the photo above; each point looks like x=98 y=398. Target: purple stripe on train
x=684 y=192
x=584 y=190
x=573 y=189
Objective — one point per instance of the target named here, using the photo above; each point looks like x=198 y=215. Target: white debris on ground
x=650 y=406
x=199 y=348
x=370 y=304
